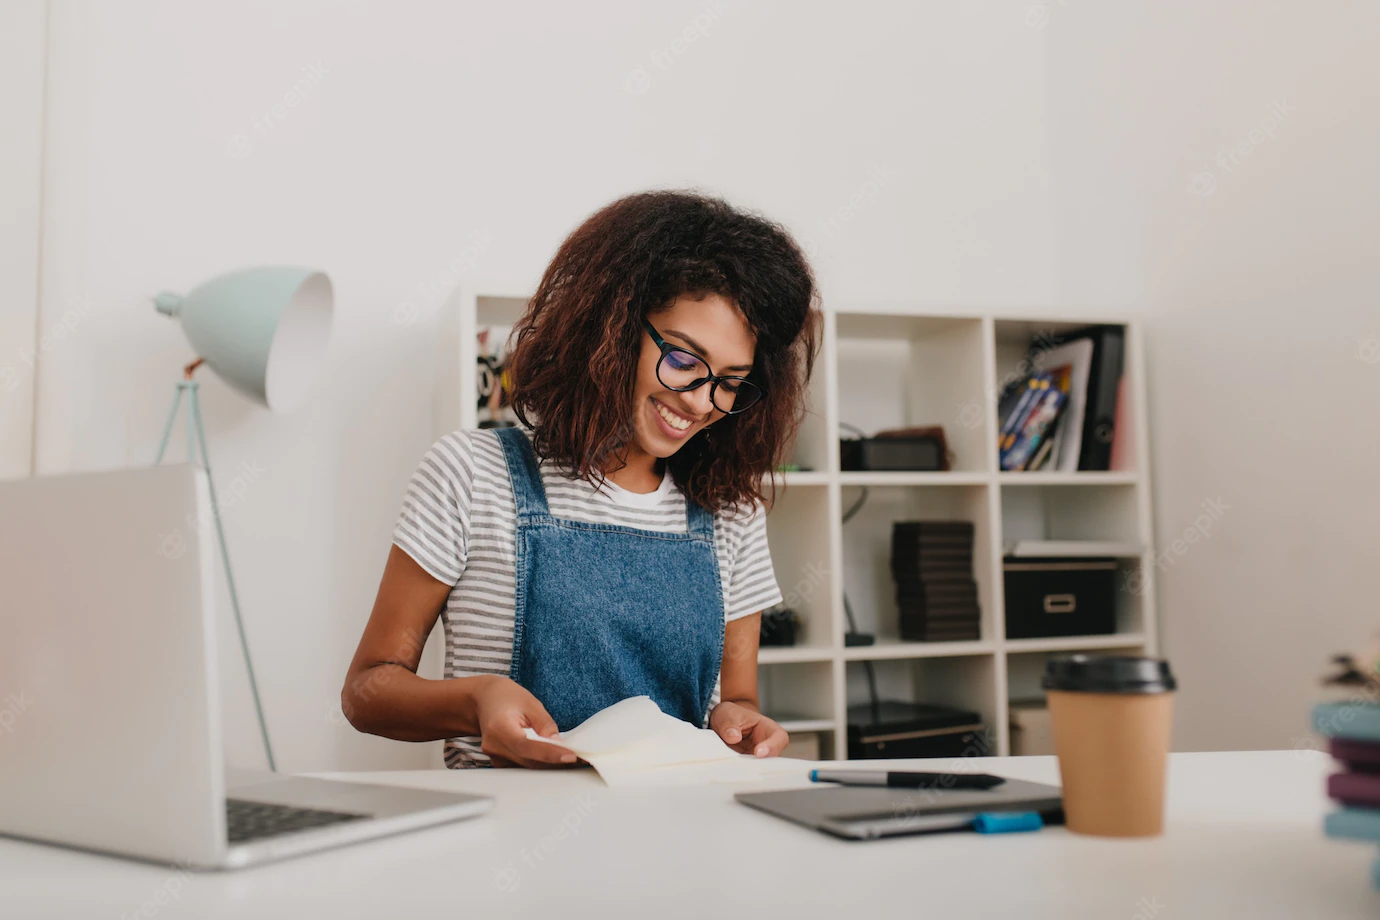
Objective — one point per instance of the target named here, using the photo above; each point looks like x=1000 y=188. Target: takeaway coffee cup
x=1111 y=717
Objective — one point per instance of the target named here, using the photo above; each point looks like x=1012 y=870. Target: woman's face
x=715 y=330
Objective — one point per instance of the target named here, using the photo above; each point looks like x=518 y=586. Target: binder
x=1099 y=421
x=1099 y=418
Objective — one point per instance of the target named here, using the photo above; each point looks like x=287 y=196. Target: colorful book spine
x=1359 y=789
x=1353 y=824
x=1359 y=756
x=1351 y=719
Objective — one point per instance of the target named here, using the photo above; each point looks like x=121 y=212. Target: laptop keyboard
x=255 y=820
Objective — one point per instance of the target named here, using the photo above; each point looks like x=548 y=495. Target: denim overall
x=605 y=612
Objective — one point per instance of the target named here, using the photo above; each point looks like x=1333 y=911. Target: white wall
x=22 y=55
x=1264 y=334
x=905 y=142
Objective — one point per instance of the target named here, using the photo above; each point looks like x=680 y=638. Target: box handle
x=1060 y=603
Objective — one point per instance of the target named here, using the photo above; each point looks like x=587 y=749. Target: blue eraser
x=1007 y=822
x=814 y=776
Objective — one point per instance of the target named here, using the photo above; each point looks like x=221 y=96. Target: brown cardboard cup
x=1112 y=718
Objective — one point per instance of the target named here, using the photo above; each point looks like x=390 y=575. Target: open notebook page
x=634 y=743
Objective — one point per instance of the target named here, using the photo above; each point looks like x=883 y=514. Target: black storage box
x=893 y=729
x=1059 y=597
x=923 y=453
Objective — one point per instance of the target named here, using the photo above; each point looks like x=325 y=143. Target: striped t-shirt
x=458 y=521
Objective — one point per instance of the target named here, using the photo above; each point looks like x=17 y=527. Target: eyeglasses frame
x=713 y=379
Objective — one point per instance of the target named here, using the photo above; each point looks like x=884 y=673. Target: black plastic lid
x=1108 y=674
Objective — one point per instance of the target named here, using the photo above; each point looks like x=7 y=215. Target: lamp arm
x=194 y=406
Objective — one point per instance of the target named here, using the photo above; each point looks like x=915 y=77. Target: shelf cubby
x=1070 y=511
x=897 y=371
x=867 y=548
x=798 y=533
x=963 y=682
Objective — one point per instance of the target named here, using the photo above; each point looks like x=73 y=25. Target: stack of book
x=1353 y=731
x=932 y=565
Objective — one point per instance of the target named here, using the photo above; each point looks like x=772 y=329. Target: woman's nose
x=699 y=400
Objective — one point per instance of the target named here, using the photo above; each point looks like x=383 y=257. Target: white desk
x=1244 y=839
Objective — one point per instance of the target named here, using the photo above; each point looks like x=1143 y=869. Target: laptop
x=108 y=665
x=868 y=812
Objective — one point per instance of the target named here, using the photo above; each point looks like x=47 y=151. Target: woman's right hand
x=505 y=709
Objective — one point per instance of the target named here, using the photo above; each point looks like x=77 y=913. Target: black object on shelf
x=909 y=449
x=932 y=568
x=895 y=729
x=855 y=639
x=1104 y=380
x=779 y=627
x=1051 y=596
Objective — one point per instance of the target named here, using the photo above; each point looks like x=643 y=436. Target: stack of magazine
x=1063 y=408
x=932 y=565
x=1026 y=439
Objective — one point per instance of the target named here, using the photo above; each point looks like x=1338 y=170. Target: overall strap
x=698 y=522
x=528 y=491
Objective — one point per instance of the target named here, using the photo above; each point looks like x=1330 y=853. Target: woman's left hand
x=747 y=731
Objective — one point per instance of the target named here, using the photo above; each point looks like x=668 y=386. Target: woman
x=621 y=550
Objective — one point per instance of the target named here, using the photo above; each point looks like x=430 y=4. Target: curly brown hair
x=575 y=350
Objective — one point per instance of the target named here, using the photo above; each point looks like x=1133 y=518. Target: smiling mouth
x=673 y=420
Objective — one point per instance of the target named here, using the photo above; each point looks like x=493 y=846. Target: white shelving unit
x=882 y=369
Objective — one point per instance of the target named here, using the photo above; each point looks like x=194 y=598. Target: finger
x=541 y=720
x=742 y=742
x=768 y=739
x=532 y=753
x=732 y=722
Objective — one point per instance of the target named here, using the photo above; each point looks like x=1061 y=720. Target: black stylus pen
x=907 y=779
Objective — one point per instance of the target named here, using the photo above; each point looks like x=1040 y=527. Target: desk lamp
x=263 y=331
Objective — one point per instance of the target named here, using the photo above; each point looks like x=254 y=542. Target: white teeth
x=675 y=421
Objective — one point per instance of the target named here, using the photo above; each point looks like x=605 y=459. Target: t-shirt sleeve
x=751 y=585
x=434 y=522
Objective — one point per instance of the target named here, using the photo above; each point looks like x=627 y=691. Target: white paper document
x=634 y=743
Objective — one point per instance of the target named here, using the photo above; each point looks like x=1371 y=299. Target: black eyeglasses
x=682 y=370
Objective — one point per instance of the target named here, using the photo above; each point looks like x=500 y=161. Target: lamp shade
x=263 y=330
